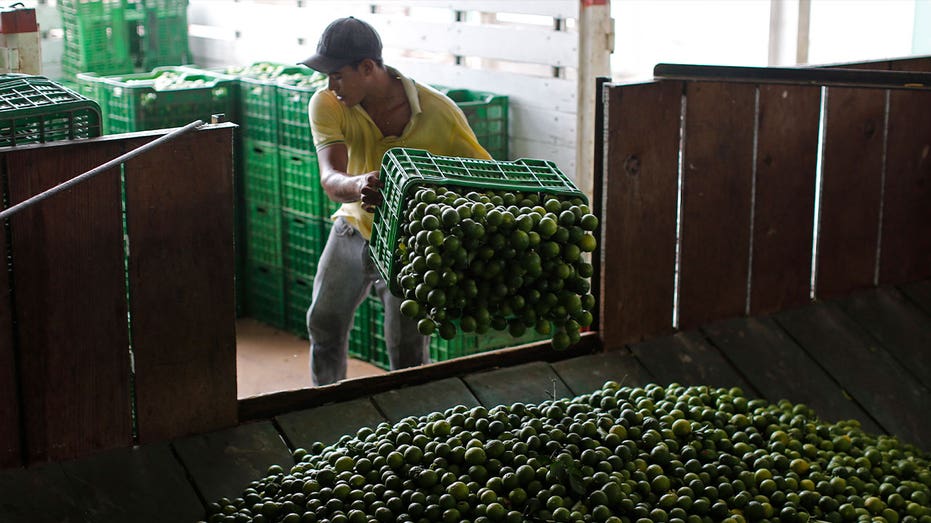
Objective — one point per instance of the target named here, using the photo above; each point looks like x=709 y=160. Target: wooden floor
x=864 y=357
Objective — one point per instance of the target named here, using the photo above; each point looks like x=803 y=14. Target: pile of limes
x=478 y=260
x=619 y=454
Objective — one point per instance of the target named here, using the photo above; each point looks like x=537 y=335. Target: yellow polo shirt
x=437 y=125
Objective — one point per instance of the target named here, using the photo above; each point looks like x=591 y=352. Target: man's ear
x=368 y=66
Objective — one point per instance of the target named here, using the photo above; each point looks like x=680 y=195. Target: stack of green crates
x=488 y=116
x=164 y=98
x=33 y=109
x=96 y=37
x=107 y=37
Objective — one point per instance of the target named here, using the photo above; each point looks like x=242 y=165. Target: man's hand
x=370 y=189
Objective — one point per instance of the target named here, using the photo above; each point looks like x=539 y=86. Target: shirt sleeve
x=326 y=119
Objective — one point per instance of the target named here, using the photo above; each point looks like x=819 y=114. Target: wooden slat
x=900 y=327
x=529 y=383
x=687 y=358
x=138 y=484
x=716 y=198
x=906 y=216
x=851 y=189
x=588 y=373
x=780 y=369
x=70 y=302
x=784 y=199
x=638 y=239
x=920 y=294
x=419 y=400
x=41 y=494
x=179 y=204
x=223 y=463
x=10 y=444
x=921 y=63
x=891 y=395
x=328 y=423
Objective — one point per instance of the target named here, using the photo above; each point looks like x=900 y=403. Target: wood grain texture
x=905 y=253
x=780 y=369
x=588 y=373
x=687 y=358
x=10 y=444
x=224 y=462
x=528 y=383
x=435 y=396
x=140 y=484
x=180 y=224
x=851 y=189
x=864 y=368
x=784 y=198
x=326 y=424
x=70 y=302
x=716 y=201
x=638 y=240
x=903 y=329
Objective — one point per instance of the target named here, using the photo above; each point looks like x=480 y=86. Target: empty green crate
x=96 y=37
x=300 y=184
x=164 y=98
x=33 y=109
x=403 y=170
x=263 y=233
x=265 y=293
x=165 y=34
x=293 y=119
x=299 y=289
x=303 y=242
x=488 y=116
x=261 y=179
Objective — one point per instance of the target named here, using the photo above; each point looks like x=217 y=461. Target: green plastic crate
x=33 y=109
x=263 y=234
x=378 y=354
x=403 y=170
x=299 y=289
x=360 y=338
x=265 y=294
x=465 y=344
x=164 y=98
x=293 y=118
x=96 y=37
x=303 y=242
x=300 y=184
x=164 y=34
x=259 y=97
x=261 y=179
x=488 y=116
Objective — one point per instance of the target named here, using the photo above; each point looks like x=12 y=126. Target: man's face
x=349 y=84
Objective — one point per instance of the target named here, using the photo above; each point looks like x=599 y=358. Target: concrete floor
x=270 y=360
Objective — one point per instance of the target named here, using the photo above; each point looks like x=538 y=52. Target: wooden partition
x=88 y=362
x=728 y=197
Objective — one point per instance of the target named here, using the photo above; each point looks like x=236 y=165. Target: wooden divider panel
x=10 y=445
x=851 y=189
x=784 y=198
x=716 y=199
x=179 y=204
x=639 y=219
x=905 y=248
x=70 y=301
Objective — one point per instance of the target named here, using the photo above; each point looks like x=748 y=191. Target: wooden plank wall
x=65 y=344
x=742 y=169
x=422 y=39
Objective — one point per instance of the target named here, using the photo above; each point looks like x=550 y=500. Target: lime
x=426 y=326
x=589 y=222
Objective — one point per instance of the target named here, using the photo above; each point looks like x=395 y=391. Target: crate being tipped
x=473 y=245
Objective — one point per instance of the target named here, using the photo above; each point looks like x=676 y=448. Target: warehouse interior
x=759 y=175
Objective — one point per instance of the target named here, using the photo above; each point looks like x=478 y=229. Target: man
x=367 y=109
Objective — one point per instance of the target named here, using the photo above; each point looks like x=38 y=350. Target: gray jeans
x=345 y=274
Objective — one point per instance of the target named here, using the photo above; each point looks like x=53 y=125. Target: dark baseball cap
x=345 y=41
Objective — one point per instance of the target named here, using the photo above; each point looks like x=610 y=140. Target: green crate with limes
x=293 y=96
x=403 y=170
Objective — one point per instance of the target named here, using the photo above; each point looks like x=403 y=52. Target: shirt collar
x=410 y=89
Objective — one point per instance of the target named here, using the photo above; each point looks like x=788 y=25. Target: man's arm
x=342 y=187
